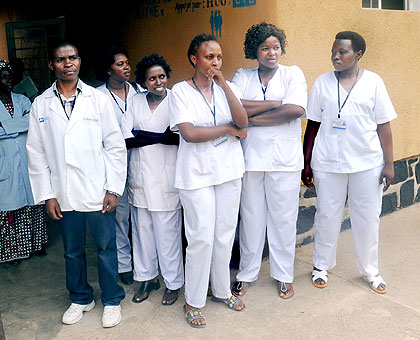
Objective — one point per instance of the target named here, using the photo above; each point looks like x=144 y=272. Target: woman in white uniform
x=209 y=168
x=348 y=152
x=117 y=71
x=156 y=209
x=275 y=98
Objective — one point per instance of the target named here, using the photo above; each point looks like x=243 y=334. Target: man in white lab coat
x=77 y=165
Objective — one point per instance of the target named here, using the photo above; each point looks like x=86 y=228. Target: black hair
x=257 y=34
x=56 y=44
x=108 y=58
x=146 y=63
x=196 y=43
x=358 y=43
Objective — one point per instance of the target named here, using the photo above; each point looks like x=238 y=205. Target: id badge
x=339 y=124
x=220 y=140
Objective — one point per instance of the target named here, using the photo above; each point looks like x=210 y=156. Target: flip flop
x=146 y=286
x=231 y=302
x=170 y=296
x=239 y=288
x=194 y=314
x=284 y=290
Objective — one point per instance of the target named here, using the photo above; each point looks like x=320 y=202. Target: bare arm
x=308 y=145
x=385 y=136
x=254 y=107
x=283 y=114
x=239 y=115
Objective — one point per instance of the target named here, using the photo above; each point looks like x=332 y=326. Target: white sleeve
x=383 y=109
x=314 y=111
x=38 y=167
x=180 y=108
x=297 y=90
x=115 y=153
x=238 y=83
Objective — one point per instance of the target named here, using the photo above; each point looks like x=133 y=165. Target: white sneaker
x=111 y=316
x=75 y=312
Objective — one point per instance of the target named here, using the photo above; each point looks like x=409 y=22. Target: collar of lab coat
x=4 y=113
x=82 y=98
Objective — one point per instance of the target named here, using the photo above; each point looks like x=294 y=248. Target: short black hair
x=196 y=43
x=108 y=58
x=146 y=63
x=358 y=43
x=257 y=34
x=56 y=44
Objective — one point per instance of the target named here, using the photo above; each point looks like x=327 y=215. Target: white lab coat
x=151 y=172
x=75 y=161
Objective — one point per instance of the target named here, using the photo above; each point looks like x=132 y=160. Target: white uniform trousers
x=157 y=243
x=211 y=215
x=269 y=203
x=122 y=227
x=364 y=195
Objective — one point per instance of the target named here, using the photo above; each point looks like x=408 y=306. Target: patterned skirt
x=22 y=232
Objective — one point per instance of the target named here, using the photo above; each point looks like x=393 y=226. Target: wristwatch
x=113 y=193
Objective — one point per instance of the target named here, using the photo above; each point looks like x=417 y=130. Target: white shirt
x=117 y=103
x=357 y=148
x=276 y=147
x=75 y=160
x=151 y=171
x=203 y=164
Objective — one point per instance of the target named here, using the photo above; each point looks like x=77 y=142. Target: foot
x=41 y=252
x=285 y=289
x=239 y=288
x=234 y=303
x=127 y=277
x=169 y=297
x=194 y=316
x=377 y=284
x=144 y=290
x=14 y=263
x=75 y=312
x=319 y=278
x=111 y=316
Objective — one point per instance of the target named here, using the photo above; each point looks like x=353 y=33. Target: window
x=409 y=5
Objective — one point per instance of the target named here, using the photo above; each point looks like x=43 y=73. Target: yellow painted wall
x=393 y=45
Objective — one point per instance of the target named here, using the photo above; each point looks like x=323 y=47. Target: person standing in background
x=23 y=229
x=117 y=68
x=349 y=155
x=209 y=167
x=156 y=208
x=77 y=165
x=274 y=97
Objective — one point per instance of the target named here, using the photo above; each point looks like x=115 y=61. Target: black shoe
x=14 y=263
x=41 y=253
x=126 y=278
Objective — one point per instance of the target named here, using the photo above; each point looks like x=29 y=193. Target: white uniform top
x=203 y=164
x=75 y=161
x=151 y=172
x=357 y=148
x=276 y=147
x=117 y=103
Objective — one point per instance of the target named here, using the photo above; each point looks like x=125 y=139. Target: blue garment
x=15 y=187
x=102 y=227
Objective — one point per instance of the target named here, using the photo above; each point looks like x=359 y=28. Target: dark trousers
x=102 y=227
